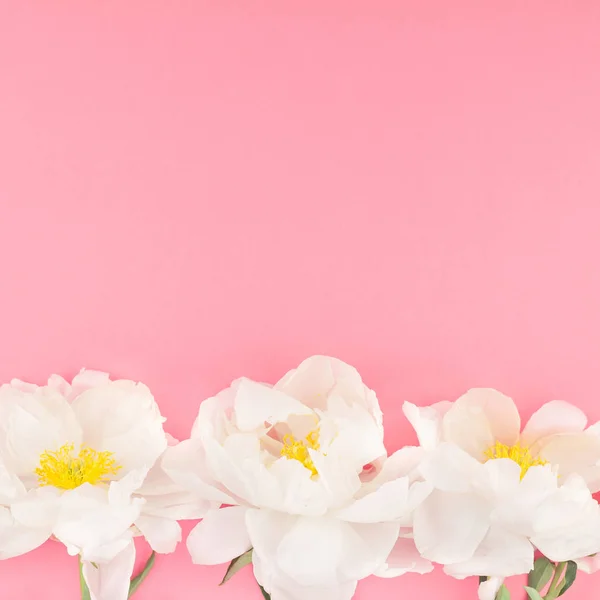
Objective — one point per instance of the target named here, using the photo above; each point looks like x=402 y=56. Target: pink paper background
x=192 y=190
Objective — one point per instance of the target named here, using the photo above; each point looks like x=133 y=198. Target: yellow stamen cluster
x=519 y=454
x=63 y=470
x=294 y=449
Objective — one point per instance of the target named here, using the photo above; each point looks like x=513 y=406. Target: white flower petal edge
x=499 y=494
x=110 y=581
x=220 y=537
x=285 y=588
x=556 y=432
x=81 y=462
x=404 y=558
x=489 y=588
x=304 y=471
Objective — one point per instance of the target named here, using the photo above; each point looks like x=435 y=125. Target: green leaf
x=569 y=579
x=503 y=593
x=85 y=592
x=533 y=593
x=541 y=573
x=137 y=581
x=237 y=564
x=265 y=595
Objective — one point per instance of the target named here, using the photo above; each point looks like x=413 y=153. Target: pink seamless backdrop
x=191 y=191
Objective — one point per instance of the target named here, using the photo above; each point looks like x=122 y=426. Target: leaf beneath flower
x=265 y=595
x=503 y=593
x=570 y=575
x=541 y=573
x=236 y=565
x=533 y=593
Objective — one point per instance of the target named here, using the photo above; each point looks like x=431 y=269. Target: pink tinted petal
x=574 y=453
x=404 y=558
x=552 y=418
x=480 y=418
x=427 y=421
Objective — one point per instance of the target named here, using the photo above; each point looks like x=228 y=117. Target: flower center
x=519 y=454
x=294 y=449
x=63 y=470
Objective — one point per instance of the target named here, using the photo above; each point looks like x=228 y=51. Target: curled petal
x=480 y=418
x=220 y=537
x=110 y=581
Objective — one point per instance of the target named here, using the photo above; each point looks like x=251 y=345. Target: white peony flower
x=301 y=466
x=499 y=492
x=78 y=463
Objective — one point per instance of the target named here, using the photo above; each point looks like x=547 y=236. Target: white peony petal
x=404 y=558
x=120 y=491
x=321 y=551
x=23 y=386
x=402 y=463
x=501 y=481
x=122 y=417
x=328 y=553
x=567 y=523
x=32 y=423
x=186 y=465
x=220 y=537
x=480 y=418
x=489 y=588
x=11 y=487
x=214 y=416
x=298 y=493
x=17 y=539
x=427 y=422
x=183 y=506
x=110 y=581
x=500 y=554
x=85 y=380
x=162 y=534
x=589 y=564
x=356 y=434
x=157 y=482
x=516 y=506
x=282 y=587
x=387 y=503
x=88 y=524
x=61 y=385
x=451 y=469
x=266 y=529
x=257 y=404
x=179 y=506
x=552 y=418
x=240 y=467
x=338 y=478
x=448 y=527
x=39 y=509
x=574 y=453
x=316 y=377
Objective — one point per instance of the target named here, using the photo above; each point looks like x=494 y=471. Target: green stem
x=137 y=581
x=556 y=584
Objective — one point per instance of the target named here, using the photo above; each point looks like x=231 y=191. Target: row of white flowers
x=295 y=478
